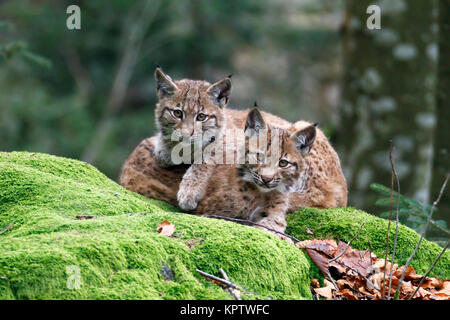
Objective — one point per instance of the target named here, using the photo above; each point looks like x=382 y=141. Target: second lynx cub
x=259 y=189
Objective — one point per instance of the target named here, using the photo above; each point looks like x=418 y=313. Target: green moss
x=119 y=253
x=343 y=224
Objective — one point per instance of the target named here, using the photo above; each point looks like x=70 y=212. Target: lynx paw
x=187 y=200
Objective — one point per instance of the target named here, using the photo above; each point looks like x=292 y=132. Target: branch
x=248 y=222
x=230 y=289
x=348 y=243
x=226 y=283
x=389 y=223
x=429 y=270
x=9 y=227
x=347 y=266
x=394 y=172
x=435 y=203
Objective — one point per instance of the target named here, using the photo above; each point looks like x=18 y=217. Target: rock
x=50 y=254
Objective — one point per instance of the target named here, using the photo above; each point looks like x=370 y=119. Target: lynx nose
x=266 y=179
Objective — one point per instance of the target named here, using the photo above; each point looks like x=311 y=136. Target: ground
x=120 y=255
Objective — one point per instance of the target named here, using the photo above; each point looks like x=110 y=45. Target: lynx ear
x=304 y=138
x=220 y=92
x=255 y=121
x=165 y=87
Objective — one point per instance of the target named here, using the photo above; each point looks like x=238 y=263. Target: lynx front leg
x=193 y=186
x=274 y=219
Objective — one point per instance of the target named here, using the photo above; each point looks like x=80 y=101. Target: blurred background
x=89 y=94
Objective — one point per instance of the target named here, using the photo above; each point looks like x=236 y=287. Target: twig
x=429 y=270
x=370 y=255
x=348 y=243
x=222 y=281
x=435 y=203
x=243 y=221
x=225 y=283
x=9 y=227
x=389 y=223
x=391 y=159
x=332 y=280
x=347 y=266
x=230 y=290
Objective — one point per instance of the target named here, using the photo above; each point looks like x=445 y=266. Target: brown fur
x=326 y=186
x=228 y=194
x=317 y=181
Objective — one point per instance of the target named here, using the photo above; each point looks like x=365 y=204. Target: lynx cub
x=259 y=189
x=186 y=109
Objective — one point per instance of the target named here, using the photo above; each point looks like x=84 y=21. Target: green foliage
x=57 y=110
x=14 y=48
x=412 y=213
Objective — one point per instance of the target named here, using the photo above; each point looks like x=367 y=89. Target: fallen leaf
x=166 y=228
x=315 y=283
x=84 y=217
x=349 y=294
x=308 y=231
x=326 y=291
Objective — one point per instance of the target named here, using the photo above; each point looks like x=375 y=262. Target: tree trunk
x=388 y=94
x=441 y=161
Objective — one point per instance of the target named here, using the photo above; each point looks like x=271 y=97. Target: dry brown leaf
x=315 y=283
x=327 y=246
x=166 y=228
x=327 y=291
x=319 y=259
x=351 y=279
x=349 y=294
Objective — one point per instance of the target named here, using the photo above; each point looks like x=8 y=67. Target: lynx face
x=279 y=163
x=187 y=108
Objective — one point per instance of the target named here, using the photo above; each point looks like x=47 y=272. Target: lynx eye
x=283 y=163
x=202 y=117
x=259 y=157
x=177 y=113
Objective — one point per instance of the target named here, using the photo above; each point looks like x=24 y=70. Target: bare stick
x=435 y=203
x=347 y=266
x=389 y=223
x=348 y=243
x=391 y=159
x=230 y=290
x=370 y=255
x=332 y=280
x=429 y=270
x=229 y=286
x=9 y=227
x=243 y=221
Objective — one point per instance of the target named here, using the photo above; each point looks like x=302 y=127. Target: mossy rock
x=344 y=223
x=119 y=254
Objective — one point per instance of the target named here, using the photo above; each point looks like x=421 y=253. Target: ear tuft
x=304 y=138
x=229 y=76
x=165 y=87
x=220 y=92
x=255 y=121
x=255 y=105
